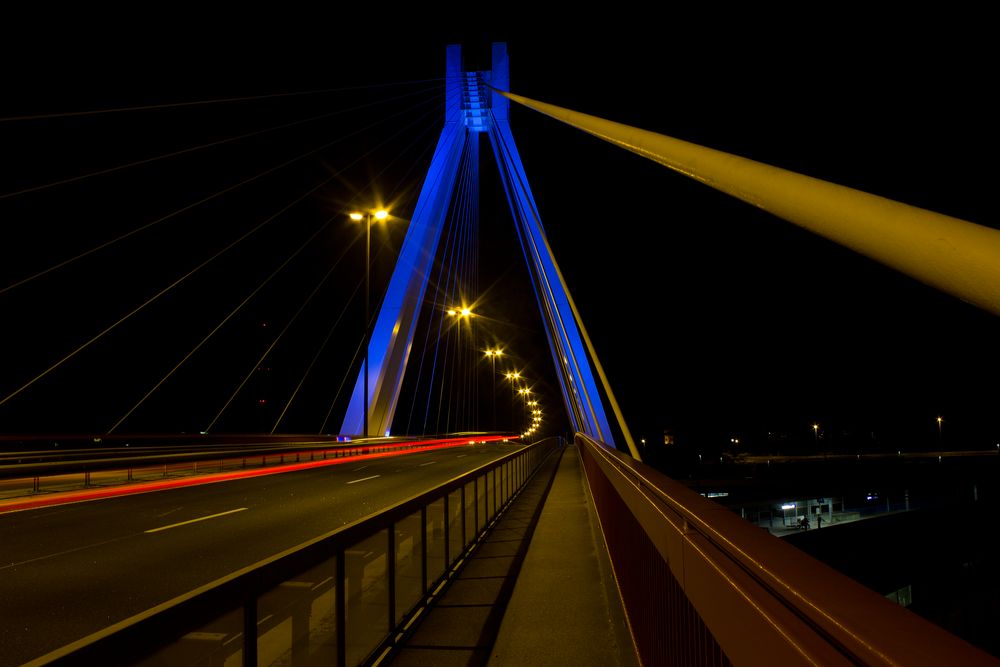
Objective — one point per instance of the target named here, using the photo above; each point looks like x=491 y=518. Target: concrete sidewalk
x=565 y=607
x=538 y=590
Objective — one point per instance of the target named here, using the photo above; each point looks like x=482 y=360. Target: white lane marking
x=202 y=518
x=460 y=456
x=429 y=463
x=363 y=479
x=359 y=469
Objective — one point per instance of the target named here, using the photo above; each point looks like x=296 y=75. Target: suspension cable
x=223 y=100
x=199 y=202
x=221 y=323
x=184 y=277
x=192 y=149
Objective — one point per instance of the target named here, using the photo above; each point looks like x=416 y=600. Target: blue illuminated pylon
x=470 y=106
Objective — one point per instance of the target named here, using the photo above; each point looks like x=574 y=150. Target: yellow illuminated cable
x=955 y=256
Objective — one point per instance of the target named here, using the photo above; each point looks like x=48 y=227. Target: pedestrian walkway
x=543 y=561
x=566 y=608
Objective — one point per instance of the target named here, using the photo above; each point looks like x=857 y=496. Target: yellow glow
x=938 y=420
x=452 y=312
x=357 y=217
x=815 y=427
x=381 y=214
x=466 y=312
x=949 y=254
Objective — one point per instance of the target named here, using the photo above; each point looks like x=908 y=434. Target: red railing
x=702 y=586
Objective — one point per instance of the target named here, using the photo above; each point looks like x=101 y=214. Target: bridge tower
x=472 y=106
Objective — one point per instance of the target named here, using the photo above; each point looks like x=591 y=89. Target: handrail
x=762 y=600
x=120 y=460
x=492 y=485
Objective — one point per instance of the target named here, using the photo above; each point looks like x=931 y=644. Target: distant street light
x=940 y=436
x=816 y=435
x=493 y=354
x=357 y=216
x=512 y=377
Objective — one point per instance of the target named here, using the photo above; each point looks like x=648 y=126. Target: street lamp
x=525 y=392
x=493 y=354
x=512 y=377
x=816 y=435
x=356 y=216
x=939 y=420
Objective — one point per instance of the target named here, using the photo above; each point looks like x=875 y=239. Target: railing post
x=423 y=550
x=340 y=580
x=465 y=540
x=447 y=532
x=391 y=574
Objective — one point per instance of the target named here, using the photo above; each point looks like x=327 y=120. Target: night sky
x=712 y=319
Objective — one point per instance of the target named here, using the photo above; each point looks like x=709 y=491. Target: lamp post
x=940 y=435
x=525 y=392
x=493 y=354
x=460 y=313
x=816 y=435
x=356 y=216
x=512 y=377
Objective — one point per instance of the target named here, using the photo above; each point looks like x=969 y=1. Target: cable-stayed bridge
x=422 y=362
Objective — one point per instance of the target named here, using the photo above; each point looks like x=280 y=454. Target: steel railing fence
x=32 y=472
x=702 y=586
x=343 y=598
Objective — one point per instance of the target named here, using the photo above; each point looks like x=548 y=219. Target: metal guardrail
x=119 y=465
x=702 y=586
x=343 y=598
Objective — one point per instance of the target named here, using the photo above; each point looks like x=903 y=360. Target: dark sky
x=712 y=319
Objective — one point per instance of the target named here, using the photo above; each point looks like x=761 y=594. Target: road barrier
x=343 y=598
x=702 y=586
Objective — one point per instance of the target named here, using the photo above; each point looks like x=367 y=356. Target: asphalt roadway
x=69 y=570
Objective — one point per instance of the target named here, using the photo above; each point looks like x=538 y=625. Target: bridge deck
x=566 y=604
x=538 y=590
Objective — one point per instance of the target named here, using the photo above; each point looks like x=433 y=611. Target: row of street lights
x=460 y=312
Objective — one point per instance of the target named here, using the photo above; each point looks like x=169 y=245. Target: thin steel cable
x=319 y=352
x=370 y=184
x=169 y=287
x=199 y=202
x=454 y=386
x=192 y=149
x=222 y=323
x=224 y=100
x=438 y=309
x=349 y=374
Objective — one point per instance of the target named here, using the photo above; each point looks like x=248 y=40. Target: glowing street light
x=816 y=435
x=357 y=216
x=512 y=377
x=493 y=354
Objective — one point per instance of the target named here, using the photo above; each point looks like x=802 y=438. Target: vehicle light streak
x=98 y=494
